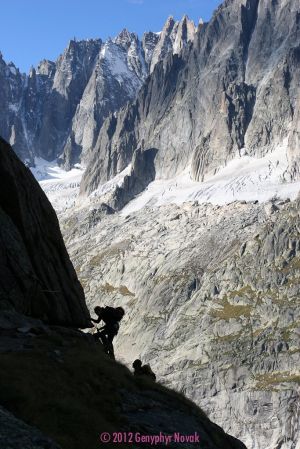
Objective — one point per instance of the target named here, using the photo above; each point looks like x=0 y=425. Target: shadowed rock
x=15 y=434
x=142 y=173
x=37 y=276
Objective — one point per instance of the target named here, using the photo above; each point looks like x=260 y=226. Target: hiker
x=111 y=317
x=142 y=370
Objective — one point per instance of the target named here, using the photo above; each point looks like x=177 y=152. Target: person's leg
x=110 y=345
x=104 y=340
x=96 y=336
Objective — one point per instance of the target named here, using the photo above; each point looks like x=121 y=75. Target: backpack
x=109 y=315
x=147 y=371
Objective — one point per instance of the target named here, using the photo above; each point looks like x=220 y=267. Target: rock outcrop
x=140 y=176
x=64 y=371
x=15 y=434
x=37 y=276
x=234 y=91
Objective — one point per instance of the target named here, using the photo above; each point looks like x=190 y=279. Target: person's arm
x=97 y=321
x=99 y=330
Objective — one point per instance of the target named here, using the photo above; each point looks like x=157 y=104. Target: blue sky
x=32 y=30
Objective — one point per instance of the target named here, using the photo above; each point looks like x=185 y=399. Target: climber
x=143 y=370
x=111 y=317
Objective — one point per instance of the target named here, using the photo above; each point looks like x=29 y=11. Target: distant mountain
x=58 y=109
x=233 y=93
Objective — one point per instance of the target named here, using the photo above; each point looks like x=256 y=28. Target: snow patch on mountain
x=61 y=186
x=14 y=107
x=109 y=186
x=12 y=69
x=243 y=179
x=113 y=57
x=124 y=60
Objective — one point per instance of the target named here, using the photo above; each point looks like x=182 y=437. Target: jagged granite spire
x=174 y=36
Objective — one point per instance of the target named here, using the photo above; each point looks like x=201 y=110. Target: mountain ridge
x=58 y=109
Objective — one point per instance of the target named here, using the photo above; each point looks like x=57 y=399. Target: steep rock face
x=122 y=134
x=38 y=278
x=149 y=43
x=73 y=70
x=140 y=176
x=43 y=103
x=212 y=303
x=173 y=38
x=118 y=74
x=11 y=86
x=234 y=91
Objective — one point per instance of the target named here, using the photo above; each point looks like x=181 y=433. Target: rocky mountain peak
x=12 y=67
x=173 y=38
x=79 y=45
x=185 y=33
x=32 y=72
x=76 y=63
x=125 y=38
x=46 y=68
x=149 y=43
x=170 y=22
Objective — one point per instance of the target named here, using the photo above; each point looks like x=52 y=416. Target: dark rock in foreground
x=37 y=276
x=102 y=397
x=15 y=434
